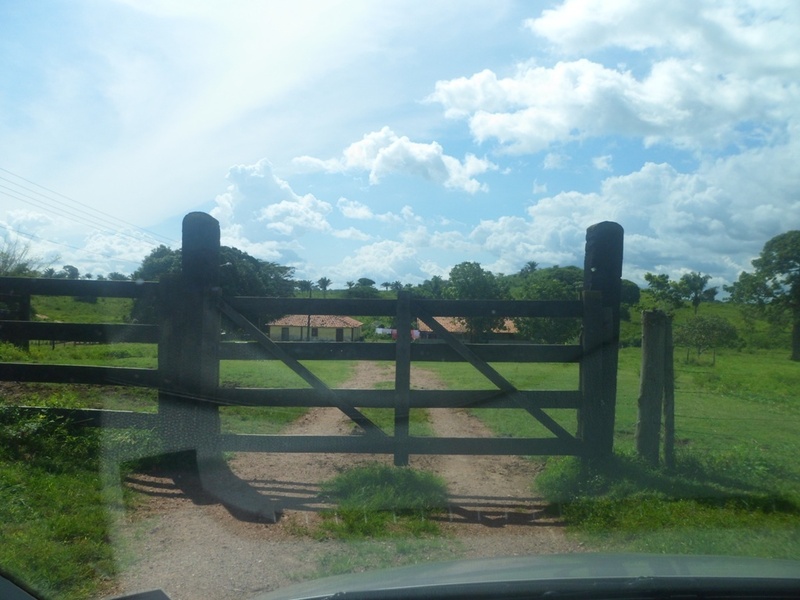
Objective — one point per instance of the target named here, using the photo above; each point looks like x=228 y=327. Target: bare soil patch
x=181 y=541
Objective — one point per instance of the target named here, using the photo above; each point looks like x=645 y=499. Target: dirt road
x=181 y=542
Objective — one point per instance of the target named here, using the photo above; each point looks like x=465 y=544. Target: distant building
x=458 y=329
x=322 y=328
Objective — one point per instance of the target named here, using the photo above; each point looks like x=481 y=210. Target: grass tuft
x=382 y=501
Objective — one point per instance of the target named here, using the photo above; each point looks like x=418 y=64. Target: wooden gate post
x=602 y=272
x=188 y=352
x=188 y=359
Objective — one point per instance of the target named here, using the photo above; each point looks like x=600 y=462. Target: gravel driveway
x=180 y=541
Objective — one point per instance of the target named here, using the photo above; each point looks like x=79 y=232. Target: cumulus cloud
x=382 y=153
x=383 y=260
x=261 y=214
x=720 y=68
x=296 y=216
x=351 y=233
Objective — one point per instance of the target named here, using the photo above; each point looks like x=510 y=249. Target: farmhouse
x=327 y=328
x=459 y=330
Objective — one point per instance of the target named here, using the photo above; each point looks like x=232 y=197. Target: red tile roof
x=455 y=325
x=333 y=321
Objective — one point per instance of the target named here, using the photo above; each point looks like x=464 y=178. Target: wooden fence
x=191 y=315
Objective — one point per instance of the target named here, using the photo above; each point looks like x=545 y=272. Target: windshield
x=310 y=289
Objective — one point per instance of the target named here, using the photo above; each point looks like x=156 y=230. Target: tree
x=469 y=281
x=16 y=260
x=386 y=285
x=70 y=272
x=692 y=287
x=365 y=282
x=240 y=275
x=553 y=283
x=432 y=288
x=705 y=333
x=630 y=294
x=305 y=286
x=115 y=276
x=529 y=268
x=663 y=292
x=774 y=285
x=324 y=283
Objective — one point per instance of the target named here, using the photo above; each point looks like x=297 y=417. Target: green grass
x=711 y=505
x=67 y=309
x=735 y=489
x=382 y=501
x=512 y=422
x=272 y=374
x=53 y=518
x=736 y=485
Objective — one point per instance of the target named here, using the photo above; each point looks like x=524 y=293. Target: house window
x=315 y=332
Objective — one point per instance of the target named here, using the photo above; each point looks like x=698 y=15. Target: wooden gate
x=190 y=350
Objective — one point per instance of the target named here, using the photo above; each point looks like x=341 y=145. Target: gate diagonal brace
x=315 y=382
x=492 y=375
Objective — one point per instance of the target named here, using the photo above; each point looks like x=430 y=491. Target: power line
x=90 y=216
x=36 y=237
x=41 y=239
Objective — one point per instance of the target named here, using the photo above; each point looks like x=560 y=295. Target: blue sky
x=394 y=140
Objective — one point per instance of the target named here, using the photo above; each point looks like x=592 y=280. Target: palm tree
x=323 y=283
x=386 y=285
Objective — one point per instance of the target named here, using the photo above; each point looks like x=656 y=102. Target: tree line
x=770 y=291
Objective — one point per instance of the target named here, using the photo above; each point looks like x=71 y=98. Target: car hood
x=495 y=573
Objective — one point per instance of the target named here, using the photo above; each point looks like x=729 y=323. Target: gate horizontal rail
x=421 y=351
x=418 y=399
x=360 y=444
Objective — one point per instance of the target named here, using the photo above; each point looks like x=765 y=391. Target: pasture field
x=735 y=488
x=736 y=485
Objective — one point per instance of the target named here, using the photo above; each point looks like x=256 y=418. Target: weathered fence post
x=402 y=378
x=591 y=374
x=602 y=273
x=669 y=397
x=651 y=387
x=188 y=359
x=188 y=352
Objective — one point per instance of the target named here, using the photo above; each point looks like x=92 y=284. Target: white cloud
x=719 y=69
x=295 y=217
x=756 y=36
x=384 y=260
x=351 y=233
x=602 y=163
x=680 y=101
x=382 y=153
x=352 y=209
x=554 y=160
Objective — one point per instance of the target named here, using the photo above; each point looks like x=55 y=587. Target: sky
x=394 y=140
